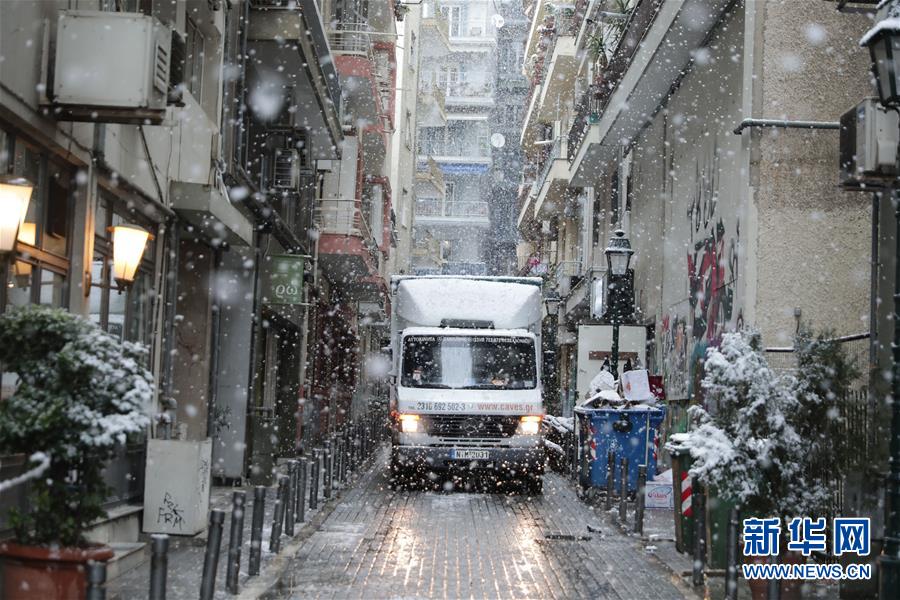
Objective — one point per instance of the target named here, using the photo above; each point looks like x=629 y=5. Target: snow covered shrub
x=80 y=393
x=745 y=445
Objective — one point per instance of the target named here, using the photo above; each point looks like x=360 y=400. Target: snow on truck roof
x=507 y=302
x=445 y=331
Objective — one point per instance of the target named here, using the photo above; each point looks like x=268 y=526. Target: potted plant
x=80 y=393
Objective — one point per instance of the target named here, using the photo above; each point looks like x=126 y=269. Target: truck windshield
x=469 y=362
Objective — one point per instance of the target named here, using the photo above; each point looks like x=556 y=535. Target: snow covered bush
x=745 y=445
x=80 y=394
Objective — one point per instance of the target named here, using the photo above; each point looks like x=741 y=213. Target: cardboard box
x=659 y=495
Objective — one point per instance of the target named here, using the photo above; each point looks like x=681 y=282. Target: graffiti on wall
x=712 y=268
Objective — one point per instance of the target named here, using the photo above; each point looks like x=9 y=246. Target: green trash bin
x=684 y=516
x=717 y=514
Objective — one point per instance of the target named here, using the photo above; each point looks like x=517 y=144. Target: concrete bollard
x=280 y=496
x=235 y=539
x=289 y=501
x=211 y=559
x=326 y=474
x=256 y=529
x=159 y=565
x=639 y=500
x=731 y=556
x=610 y=478
x=698 y=504
x=623 y=493
x=96 y=580
x=314 y=481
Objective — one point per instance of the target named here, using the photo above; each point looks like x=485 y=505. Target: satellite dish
x=498 y=21
x=497 y=140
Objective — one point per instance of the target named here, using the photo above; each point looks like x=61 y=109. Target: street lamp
x=129 y=242
x=15 y=193
x=618 y=258
x=551 y=386
x=883 y=41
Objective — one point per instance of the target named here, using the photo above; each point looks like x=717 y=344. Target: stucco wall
x=813 y=239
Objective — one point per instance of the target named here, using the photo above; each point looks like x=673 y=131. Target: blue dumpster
x=629 y=432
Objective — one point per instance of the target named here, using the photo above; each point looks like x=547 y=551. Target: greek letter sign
x=285 y=279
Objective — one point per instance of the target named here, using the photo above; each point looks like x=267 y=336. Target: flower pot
x=41 y=573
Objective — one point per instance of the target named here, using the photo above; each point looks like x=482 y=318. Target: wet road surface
x=381 y=543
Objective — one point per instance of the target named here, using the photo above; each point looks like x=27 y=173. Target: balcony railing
x=343 y=217
x=352 y=38
x=554 y=153
x=453 y=148
x=431 y=171
x=596 y=98
x=456 y=209
x=470 y=90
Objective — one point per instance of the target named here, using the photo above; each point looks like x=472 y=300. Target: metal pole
x=211 y=560
x=159 y=565
x=275 y=540
x=301 y=490
x=256 y=529
x=614 y=359
x=698 y=501
x=289 y=500
x=326 y=477
x=314 y=481
x=773 y=589
x=610 y=478
x=639 y=501
x=623 y=494
x=235 y=539
x=96 y=581
x=731 y=565
x=889 y=561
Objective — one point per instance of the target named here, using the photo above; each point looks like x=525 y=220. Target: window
x=457 y=17
x=449 y=191
x=193 y=60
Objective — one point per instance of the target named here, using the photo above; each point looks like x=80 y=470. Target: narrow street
x=380 y=543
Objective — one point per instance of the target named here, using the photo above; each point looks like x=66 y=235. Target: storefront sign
x=285 y=279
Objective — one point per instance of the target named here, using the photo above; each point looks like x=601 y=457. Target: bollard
x=731 y=556
x=623 y=494
x=610 y=478
x=698 y=502
x=159 y=565
x=211 y=560
x=280 y=495
x=773 y=589
x=326 y=475
x=289 y=501
x=256 y=529
x=639 y=500
x=301 y=491
x=96 y=580
x=298 y=493
x=338 y=459
x=314 y=481
x=235 y=538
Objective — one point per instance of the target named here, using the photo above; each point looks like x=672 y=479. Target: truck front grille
x=472 y=426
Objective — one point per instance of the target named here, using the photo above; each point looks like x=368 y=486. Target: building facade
x=258 y=155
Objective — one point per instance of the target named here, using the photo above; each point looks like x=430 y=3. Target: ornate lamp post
x=551 y=381
x=621 y=300
x=883 y=42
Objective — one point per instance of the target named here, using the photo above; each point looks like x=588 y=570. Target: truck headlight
x=409 y=423
x=530 y=425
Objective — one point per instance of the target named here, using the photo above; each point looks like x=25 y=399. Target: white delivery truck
x=466 y=390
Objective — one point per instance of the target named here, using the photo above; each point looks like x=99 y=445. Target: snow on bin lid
x=431 y=300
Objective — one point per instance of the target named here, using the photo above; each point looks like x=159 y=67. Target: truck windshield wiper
x=485 y=386
x=442 y=386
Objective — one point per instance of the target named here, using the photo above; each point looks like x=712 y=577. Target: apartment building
x=252 y=140
x=457 y=91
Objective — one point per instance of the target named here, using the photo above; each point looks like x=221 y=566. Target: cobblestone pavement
x=380 y=543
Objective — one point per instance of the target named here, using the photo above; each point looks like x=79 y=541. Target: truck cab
x=467 y=390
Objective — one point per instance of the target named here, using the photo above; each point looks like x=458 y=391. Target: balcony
x=347 y=248
x=614 y=110
x=289 y=39
x=436 y=211
x=432 y=107
x=566 y=275
x=437 y=23
x=364 y=78
x=551 y=185
x=470 y=94
x=430 y=178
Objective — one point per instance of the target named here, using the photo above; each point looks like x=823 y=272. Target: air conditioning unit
x=868 y=145
x=286 y=170
x=110 y=67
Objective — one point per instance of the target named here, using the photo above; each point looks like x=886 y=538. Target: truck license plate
x=470 y=454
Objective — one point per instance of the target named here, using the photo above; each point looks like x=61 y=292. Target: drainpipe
x=785 y=124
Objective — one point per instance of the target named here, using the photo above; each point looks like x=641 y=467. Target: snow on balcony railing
x=351 y=38
x=342 y=217
x=554 y=153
